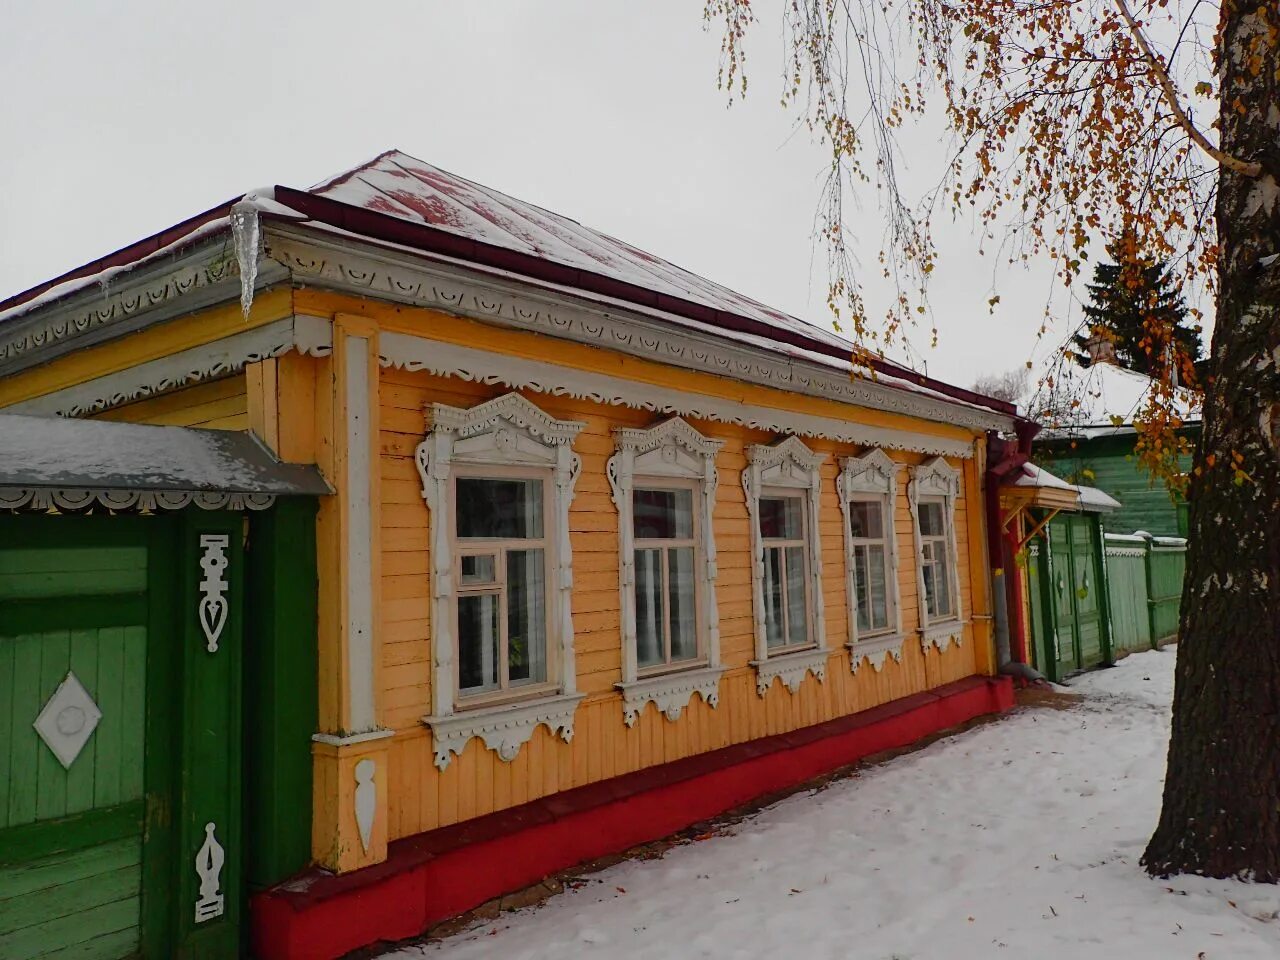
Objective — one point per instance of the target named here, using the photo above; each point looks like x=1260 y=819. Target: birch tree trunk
x=1221 y=812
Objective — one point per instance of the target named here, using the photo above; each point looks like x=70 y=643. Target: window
x=782 y=482
x=498 y=479
x=664 y=486
x=871 y=571
x=666 y=589
x=935 y=559
x=501 y=583
x=868 y=488
x=934 y=490
x=786 y=601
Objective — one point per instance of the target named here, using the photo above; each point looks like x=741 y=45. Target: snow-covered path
x=1016 y=839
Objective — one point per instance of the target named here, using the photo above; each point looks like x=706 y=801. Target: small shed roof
x=1090 y=499
x=53 y=453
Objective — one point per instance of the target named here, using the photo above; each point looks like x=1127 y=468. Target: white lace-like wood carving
x=937 y=478
x=213 y=607
x=670 y=692
x=672 y=449
x=872 y=475
x=791 y=668
x=507 y=431
x=366 y=799
x=42 y=500
x=786 y=465
x=209 y=862
x=504 y=729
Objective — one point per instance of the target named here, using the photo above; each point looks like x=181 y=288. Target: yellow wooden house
x=612 y=548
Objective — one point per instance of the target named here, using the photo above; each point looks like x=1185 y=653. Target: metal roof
x=53 y=453
x=398 y=199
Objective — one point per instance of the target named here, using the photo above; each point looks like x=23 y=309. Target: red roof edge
x=381 y=226
x=125 y=255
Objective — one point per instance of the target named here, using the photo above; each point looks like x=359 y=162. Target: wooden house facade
x=610 y=549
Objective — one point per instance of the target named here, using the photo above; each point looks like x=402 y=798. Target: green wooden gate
x=119 y=736
x=1070 y=616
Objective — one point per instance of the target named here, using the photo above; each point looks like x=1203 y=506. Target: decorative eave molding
x=504 y=729
x=875 y=650
x=1111 y=551
x=201 y=276
x=351 y=266
x=44 y=499
x=942 y=634
x=442 y=359
x=210 y=361
x=671 y=692
x=791 y=667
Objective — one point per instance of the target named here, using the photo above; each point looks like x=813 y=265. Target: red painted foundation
x=437 y=875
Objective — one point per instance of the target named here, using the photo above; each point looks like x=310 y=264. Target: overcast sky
x=122 y=118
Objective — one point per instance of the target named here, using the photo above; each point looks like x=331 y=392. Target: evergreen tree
x=1138 y=309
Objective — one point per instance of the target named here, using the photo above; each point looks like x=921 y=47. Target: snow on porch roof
x=398 y=199
x=1092 y=500
x=53 y=453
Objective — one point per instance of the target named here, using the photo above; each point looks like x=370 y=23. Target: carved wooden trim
x=43 y=499
x=508 y=430
x=670 y=449
x=504 y=729
x=873 y=473
x=671 y=692
x=791 y=668
x=937 y=478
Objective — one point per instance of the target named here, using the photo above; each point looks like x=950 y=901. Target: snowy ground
x=1016 y=839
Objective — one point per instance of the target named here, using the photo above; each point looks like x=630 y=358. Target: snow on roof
x=50 y=452
x=1092 y=500
x=482 y=225
x=1107 y=398
x=401 y=186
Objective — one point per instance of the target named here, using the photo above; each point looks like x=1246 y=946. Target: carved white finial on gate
x=212 y=609
x=209 y=869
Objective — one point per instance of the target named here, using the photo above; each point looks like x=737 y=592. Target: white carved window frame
x=872 y=476
x=937 y=479
x=506 y=432
x=672 y=450
x=786 y=467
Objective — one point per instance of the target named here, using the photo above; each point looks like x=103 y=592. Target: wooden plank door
x=1087 y=584
x=75 y=628
x=1062 y=578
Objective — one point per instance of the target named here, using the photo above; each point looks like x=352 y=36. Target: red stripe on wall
x=443 y=873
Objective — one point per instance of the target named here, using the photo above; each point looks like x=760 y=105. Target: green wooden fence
x=1144 y=584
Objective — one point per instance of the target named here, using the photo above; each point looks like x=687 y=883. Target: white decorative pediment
x=935 y=478
x=671 y=692
x=504 y=729
x=791 y=667
x=872 y=472
x=507 y=430
x=671 y=449
x=788 y=463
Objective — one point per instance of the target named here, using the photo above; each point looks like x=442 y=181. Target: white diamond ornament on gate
x=68 y=720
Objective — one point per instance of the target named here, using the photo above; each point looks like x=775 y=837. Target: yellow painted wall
x=478 y=782
x=217 y=405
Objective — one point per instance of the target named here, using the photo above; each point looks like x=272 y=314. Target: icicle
x=244 y=233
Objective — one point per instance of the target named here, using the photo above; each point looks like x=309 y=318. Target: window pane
x=797 y=608
x=662 y=514
x=879 y=588
x=773 y=597
x=498 y=509
x=649 y=650
x=780 y=518
x=681 y=611
x=865 y=519
x=526 y=617
x=862 y=586
x=478 y=642
x=931 y=522
x=478 y=569
x=942 y=578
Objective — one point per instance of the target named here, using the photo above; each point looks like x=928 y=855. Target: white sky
x=125 y=117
